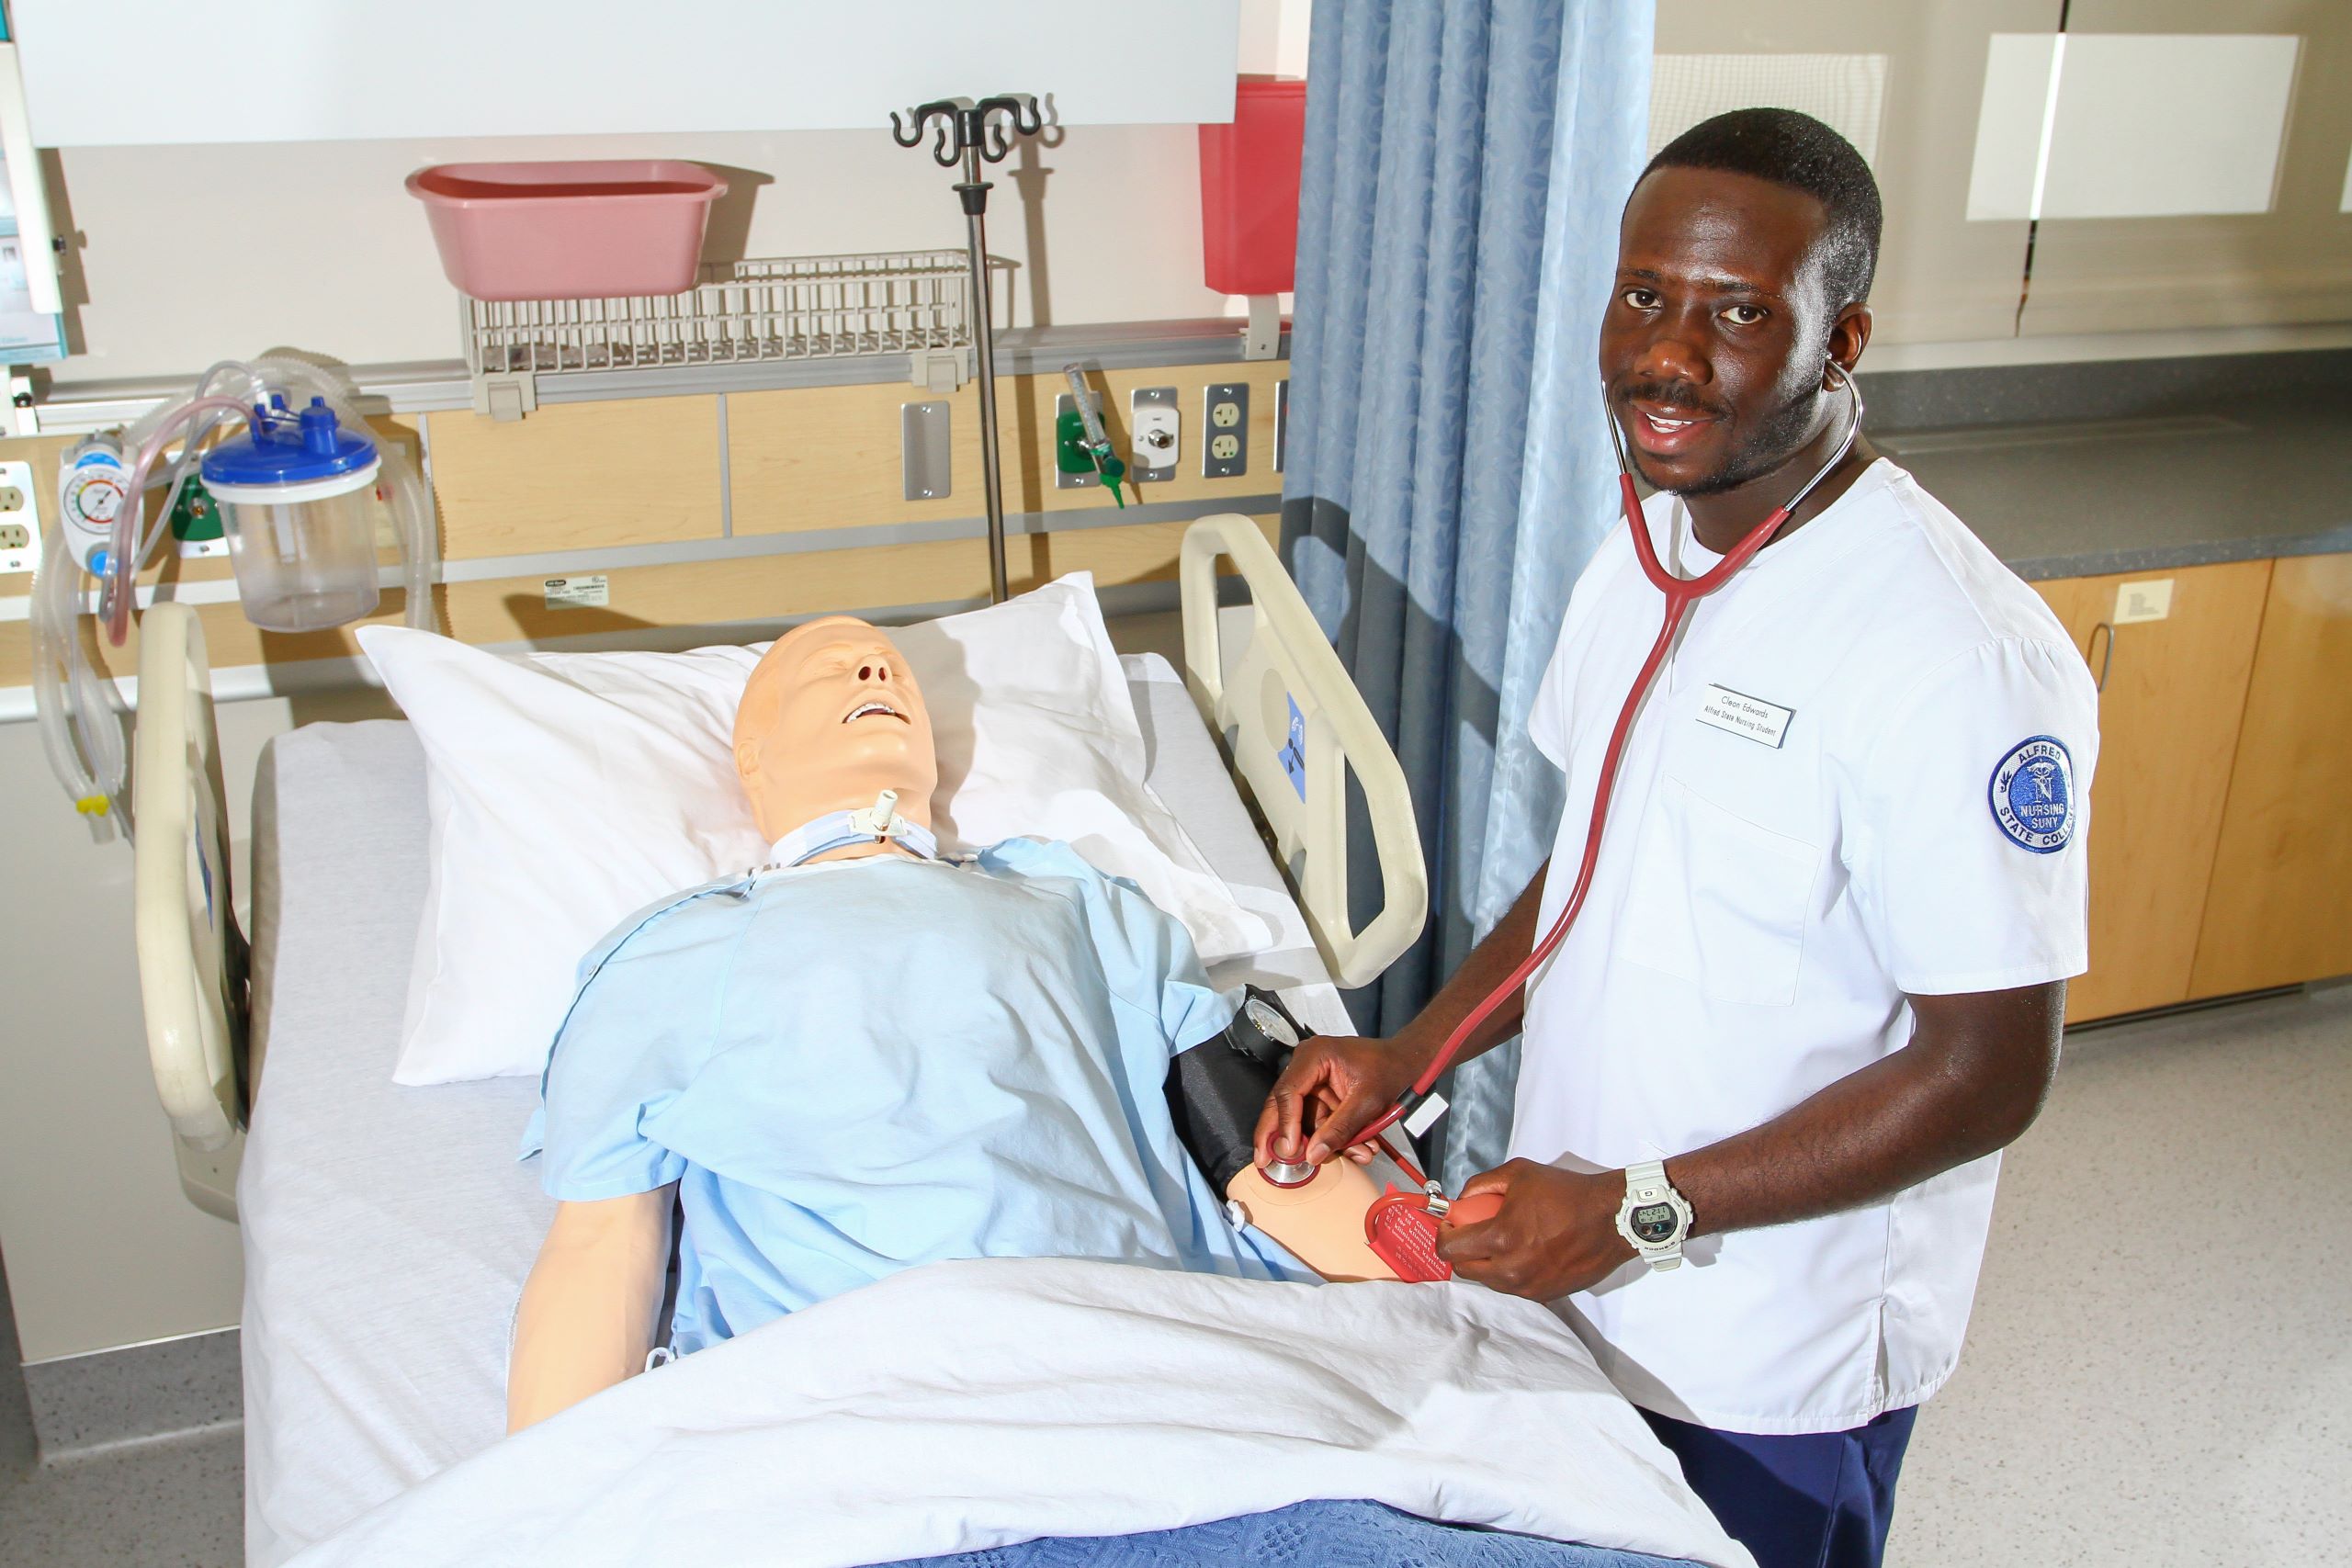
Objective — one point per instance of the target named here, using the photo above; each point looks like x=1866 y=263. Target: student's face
x=1715 y=345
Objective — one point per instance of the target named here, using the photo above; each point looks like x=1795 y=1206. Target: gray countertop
x=2238 y=480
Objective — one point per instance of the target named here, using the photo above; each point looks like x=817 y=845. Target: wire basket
x=771 y=308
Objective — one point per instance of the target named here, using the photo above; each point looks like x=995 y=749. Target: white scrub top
x=1864 y=772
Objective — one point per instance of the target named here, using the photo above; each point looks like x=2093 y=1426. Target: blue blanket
x=1305 y=1535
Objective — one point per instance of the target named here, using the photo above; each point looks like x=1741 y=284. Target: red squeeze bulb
x=1474 y=1210
x=1402 y=1232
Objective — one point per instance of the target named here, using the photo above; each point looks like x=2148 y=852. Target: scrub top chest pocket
x=1716 y=899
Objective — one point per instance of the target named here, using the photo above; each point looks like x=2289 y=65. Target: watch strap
x=1645 y=1184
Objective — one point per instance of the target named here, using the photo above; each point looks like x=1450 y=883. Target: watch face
x=1654 y=1222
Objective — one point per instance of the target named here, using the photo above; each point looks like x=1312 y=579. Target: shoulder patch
x=2032 y=794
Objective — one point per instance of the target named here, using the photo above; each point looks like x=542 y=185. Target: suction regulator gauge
x=90 y=485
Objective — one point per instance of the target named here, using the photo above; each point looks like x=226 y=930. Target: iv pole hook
x=969 y=133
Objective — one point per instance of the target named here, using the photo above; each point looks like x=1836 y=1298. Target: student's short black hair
x=1797 y=151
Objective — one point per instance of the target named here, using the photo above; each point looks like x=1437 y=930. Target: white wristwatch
x=1655 y=1217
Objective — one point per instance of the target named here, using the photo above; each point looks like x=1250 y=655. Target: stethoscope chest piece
x=1287 y=1172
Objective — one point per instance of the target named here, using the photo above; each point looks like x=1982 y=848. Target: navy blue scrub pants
x=1816 y=1500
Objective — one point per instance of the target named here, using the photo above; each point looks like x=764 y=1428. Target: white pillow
x=567 y=789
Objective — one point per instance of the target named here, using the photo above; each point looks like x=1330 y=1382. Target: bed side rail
x=1293 y=724
x=192 y=968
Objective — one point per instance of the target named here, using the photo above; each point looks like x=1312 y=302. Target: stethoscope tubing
x=1681 y=593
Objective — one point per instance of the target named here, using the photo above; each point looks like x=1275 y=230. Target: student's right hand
x=1335 y=1086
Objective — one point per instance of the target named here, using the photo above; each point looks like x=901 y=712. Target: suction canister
x=297 y=494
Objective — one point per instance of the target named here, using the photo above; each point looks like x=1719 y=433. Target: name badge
x=1765 y=723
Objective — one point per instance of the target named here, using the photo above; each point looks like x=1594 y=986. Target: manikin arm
x=1215 y=1092
x=1321 y=1223
x=587 y=1317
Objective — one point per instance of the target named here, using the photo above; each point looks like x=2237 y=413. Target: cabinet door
x=2168 y=722
x=2280 y=910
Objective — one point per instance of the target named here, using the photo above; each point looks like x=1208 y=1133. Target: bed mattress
x=388 y=1229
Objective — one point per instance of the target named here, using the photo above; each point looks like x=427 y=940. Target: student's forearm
x=1488 y=966
x=1970 y=1080
x=586 y=1318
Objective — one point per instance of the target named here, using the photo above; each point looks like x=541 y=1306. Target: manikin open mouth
x=865 y=708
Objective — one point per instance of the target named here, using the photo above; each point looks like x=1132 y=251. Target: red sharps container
x=1249 y=188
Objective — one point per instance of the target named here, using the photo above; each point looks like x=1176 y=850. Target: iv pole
x=967 y=132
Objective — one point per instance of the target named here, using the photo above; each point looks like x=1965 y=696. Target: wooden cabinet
x=2168 y=726
x=2280 y=908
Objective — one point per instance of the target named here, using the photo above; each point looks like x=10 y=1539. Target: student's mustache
x=1672 y=394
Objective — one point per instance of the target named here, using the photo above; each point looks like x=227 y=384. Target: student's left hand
x=1555 y=1233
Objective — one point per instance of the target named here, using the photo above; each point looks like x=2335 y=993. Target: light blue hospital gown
x=853 y=1067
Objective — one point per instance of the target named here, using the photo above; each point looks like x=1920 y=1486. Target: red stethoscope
x=1390 y=1217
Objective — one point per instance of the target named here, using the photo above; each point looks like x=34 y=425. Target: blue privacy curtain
x=1448 y=473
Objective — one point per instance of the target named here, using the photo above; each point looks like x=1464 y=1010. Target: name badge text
x=1765 y=723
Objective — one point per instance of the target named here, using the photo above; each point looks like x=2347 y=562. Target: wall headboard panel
x=578 y=476
x=731 y=509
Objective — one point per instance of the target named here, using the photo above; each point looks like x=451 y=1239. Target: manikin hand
x=1555 y=1233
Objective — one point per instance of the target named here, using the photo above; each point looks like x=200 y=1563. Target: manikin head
x=830 y=719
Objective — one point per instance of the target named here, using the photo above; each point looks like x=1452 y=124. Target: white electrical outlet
x=1226 y=406
x=1155 y=428
x=19 y=519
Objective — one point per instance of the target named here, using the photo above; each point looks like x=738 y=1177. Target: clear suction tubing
x=294 y=481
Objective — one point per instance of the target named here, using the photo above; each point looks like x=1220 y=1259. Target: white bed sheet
x=968 y=1404
x=388 y=1229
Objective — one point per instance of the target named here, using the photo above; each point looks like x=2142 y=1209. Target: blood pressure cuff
x=1217 y=1089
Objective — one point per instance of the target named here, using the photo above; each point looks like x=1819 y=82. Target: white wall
x=101 y=1248
x=357 y=69
x=180 y=268
x=185 y=255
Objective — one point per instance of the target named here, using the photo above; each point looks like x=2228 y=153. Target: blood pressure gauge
x=1265 y=1011
x=90 y=480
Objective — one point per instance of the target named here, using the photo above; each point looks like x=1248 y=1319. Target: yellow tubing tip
x=92 y=806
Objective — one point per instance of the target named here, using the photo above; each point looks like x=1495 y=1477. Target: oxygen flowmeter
x=1080 y=444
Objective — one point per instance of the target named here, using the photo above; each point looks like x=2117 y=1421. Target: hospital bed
x=387 y=1230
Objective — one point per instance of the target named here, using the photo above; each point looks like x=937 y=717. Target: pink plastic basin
x=568 y=229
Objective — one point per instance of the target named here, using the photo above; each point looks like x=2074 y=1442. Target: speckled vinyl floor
x=2159 y=1367
x=2159 y=1370
x=176 y=1503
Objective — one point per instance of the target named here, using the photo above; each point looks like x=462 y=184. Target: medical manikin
x=859 y=1058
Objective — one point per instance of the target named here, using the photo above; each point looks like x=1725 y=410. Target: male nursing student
x=1819 y=978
